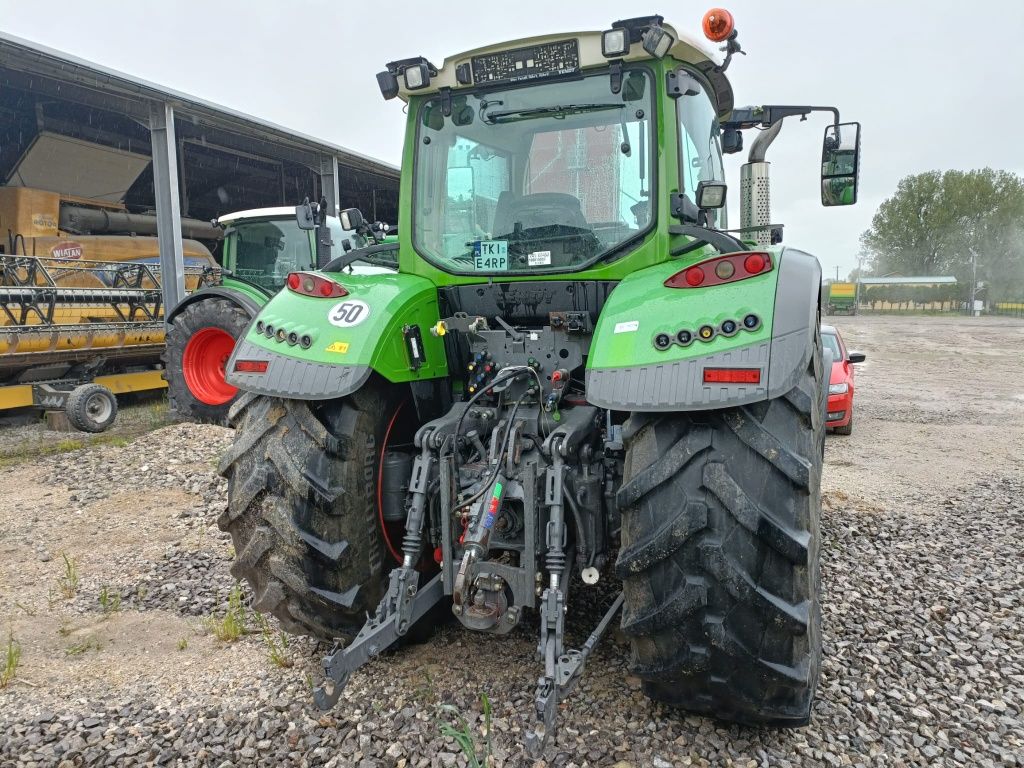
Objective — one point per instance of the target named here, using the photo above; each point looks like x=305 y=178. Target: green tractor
x=577 y=373
x=260 y=248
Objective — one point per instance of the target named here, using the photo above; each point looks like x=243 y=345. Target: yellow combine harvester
x=73 y=307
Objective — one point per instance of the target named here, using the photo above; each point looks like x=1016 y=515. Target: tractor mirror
x=840 y=164
x=856 y=357
x=351 y=218
x=304 y=215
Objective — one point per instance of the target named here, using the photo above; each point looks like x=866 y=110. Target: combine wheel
x=199 y=343
x=302 y=508
x=91 y=408
x=719 y=555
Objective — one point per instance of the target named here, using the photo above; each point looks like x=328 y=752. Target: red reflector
x=694 y=276
x=251 y=366
x=732 y=375
x=754 y=263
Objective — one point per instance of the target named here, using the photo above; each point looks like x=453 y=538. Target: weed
x=69 y=579
x=232 y=626
x=140 y=592
x=464 y=737
x=277 y=644
x=182 y=643
x=65 y=628
x=25 y=608
x=110 y=600
x=88 y=644
x=63 y=446
x=11 y=660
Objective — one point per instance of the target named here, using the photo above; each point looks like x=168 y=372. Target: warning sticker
x=346 y=314
x=490 y=255
x=341 y=347
x=627 y=327
x=539 y=258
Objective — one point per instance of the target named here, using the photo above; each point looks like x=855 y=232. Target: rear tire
x=719 y=557
x=302 y=508
x=199 y=341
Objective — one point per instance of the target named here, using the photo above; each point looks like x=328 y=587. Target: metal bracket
x=403 y=605
x=562 y=670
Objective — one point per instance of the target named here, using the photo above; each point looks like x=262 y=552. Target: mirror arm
x=766 y=116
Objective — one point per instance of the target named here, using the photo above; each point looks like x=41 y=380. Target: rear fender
x=244 y=301
x=350 y=338
x=626 y=371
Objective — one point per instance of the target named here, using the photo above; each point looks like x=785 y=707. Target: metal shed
x=82 y=129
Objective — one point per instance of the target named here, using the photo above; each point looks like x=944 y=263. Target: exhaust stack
x=755 y=187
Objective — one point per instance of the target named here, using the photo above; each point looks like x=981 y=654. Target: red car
x=840 y=383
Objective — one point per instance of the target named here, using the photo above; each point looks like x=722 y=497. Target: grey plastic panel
x=292 y=378
x=796 y=314
x=679 y=385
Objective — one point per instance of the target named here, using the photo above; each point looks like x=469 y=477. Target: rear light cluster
x=281 y=335
x=722 y=269
x=685 y=337
x=308 y=284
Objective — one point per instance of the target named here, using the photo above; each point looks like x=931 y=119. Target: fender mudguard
x=241 y=300
x=626 y=371
x=382 y=325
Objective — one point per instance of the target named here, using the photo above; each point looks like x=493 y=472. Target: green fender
x=626 y=370
x=348 y=337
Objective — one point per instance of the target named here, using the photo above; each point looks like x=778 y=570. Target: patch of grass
x=67 y=445
x=11 y=660
x=277 y=644
x=182 y=643
x=69 y=579
x=465 y=738
x=233 y=625
x=110 y=600
x=83 y=646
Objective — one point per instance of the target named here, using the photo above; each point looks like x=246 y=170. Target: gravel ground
x=923 y=607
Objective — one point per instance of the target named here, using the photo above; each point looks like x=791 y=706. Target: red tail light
x=308 y=284
x=732 y=375
x=251 y=366
x=722 y=269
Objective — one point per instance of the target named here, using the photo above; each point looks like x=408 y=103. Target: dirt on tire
x=719 y=558
x=302 y=509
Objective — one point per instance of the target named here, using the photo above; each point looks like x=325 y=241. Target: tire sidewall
x=212 y=312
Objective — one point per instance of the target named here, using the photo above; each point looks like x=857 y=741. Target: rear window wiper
x=558 y=111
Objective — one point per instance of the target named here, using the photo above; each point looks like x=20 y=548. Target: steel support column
x=168 y=205
x=329 y=183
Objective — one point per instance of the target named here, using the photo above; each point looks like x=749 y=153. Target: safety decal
x=349 y=313
x=490 y=255
x=341 y=347
x=627 y=327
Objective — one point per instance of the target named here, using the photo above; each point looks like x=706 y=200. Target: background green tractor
x=261 y=247
x=577 y=374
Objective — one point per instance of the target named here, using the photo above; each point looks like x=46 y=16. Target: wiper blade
x=558 y=111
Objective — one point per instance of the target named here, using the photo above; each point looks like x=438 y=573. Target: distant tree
x=935 y=222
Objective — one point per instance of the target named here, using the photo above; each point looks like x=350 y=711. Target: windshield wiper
x=558 y=112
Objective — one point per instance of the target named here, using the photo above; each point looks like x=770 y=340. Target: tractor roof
x=686 y=49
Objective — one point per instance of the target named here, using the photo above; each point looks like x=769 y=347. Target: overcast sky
x=935 y=84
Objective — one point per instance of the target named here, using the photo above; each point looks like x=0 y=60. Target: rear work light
x=732 y=375
x=729 y=268
x=308 y=284
x=251 y=366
